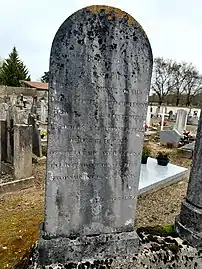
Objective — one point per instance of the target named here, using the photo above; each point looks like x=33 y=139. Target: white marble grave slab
x=189 y=147
x=154 y=176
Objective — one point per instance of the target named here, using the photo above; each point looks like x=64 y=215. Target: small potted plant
x=145 y=154
x=43 y=134
x=162 y=158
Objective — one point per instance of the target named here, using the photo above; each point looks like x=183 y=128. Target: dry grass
x=21 y=212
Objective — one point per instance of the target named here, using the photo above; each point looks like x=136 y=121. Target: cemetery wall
x=175 y=109
x=4 y=90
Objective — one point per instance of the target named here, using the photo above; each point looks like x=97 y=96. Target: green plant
x=44 y=150
x=167 y=230
x=43 y=133
x=163 y=155
x=45 y=77
x=146 y=152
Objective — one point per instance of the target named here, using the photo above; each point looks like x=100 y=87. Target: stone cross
x=189 y=222
x=181 y=121
x=162 y=118
x=100 y=73
x=148 y=118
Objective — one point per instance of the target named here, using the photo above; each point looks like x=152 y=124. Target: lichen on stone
x=112 y=13
x=96 y=9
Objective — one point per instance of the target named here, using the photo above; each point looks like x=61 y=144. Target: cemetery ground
x=22 y=211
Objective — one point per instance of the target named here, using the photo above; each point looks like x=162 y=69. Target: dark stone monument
x=10 y=141
x=34 y=105
x=100 y=72
x=36 y=138
x=189 y=222
x=3 y=140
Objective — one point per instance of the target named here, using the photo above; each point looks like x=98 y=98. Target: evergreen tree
x=45 y=77
x=14 y=70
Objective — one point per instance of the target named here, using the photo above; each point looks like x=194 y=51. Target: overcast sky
x=174 y=27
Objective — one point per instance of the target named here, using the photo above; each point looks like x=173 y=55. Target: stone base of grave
x=189 y=224
x=16 y=185
x=65 y=250
x=155 y=251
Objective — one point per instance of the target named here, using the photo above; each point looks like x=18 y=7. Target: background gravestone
x=100 y=72
x=44 y=111
x=10 y=121
x=3 y=140
x=22 y=159
x=3 y=111
x=174 y=136
x=36 y=138
x=181 y=121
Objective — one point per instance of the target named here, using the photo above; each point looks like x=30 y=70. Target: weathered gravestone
x=181 y=121
x=44 y=111
x=3 y=131
x=13 y=116
x=34 y=105
x=16 y=145
x=189 y=222
x=174 y=136
x=100 y=72
x=11 y=119
x=3 y=111
x=22 y=160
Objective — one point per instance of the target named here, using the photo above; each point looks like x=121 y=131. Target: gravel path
x=161 y=207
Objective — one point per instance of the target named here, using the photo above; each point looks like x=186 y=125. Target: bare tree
x=174 y=79
x=193 y=86
x=162 y=78
x=184 y=76
x=179 y=73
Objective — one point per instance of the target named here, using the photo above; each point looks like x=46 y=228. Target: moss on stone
x=167 y=230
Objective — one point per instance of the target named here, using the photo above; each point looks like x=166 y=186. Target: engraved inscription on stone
x=100 y=72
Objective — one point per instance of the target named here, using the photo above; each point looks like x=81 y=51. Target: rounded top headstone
x=100 y=74
x=95 y=22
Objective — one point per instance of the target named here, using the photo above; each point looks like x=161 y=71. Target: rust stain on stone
x=109 y=10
